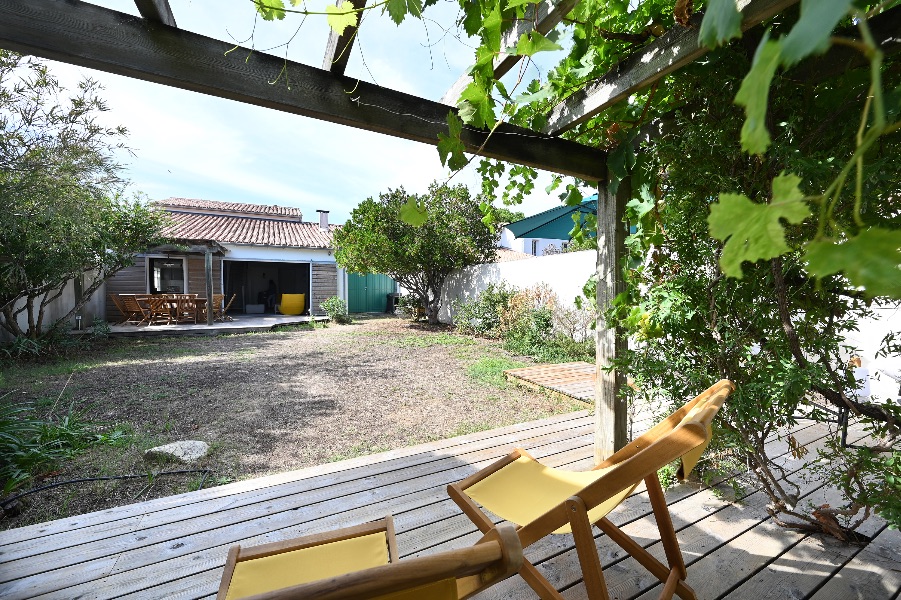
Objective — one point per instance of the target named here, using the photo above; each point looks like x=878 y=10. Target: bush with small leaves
x=336 y=309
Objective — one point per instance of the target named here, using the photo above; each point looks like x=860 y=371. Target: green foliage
x=377 y=240
x=490 y=370
x=722 y=22
x=532 y=43
x=428 y=340
x=753 y=231
x=450 y=148
x=30 y=446
x=336 y=309
x=411 y=305
x=531 y=323
x=754 y=94
x=871 y=477
x=482 y=315
x=871 y=260
x=340 y=19
x=811 y=33
x=64 y=215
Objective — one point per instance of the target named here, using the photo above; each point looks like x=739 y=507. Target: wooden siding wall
x=197 y=275
x=130 y=280
x=325 y=285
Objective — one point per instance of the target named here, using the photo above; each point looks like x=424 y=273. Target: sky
x=190 y=145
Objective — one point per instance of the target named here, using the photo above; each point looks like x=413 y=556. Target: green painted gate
x=368 y=293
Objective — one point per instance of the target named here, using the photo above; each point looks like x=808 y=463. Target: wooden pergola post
x=208 y=267
x=610 y=414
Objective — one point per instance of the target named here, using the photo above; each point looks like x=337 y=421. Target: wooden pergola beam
x=99 y=38
x=541 y=17
x=675 y=49
x=337 y=50
x=157 y=11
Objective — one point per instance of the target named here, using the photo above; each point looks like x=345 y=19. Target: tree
x=64 y=215
x=376 y=240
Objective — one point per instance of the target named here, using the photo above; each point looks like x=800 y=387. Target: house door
x=368 y=293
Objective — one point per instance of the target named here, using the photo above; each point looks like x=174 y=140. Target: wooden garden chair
x=361 y=562
x=134 y=311
x=186 y=308
x=160 y=311
x=541 y=500
x=220 y=311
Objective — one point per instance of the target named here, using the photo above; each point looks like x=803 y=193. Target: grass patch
x=465 y=428
x=490 y=369
x=358 y=450
x=425 y=341
x=30 y=446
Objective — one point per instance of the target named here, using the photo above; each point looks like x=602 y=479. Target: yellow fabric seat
x=292 y=304
x=285 y=569
x=526 y=489
x=542 y=500
x=361 y=562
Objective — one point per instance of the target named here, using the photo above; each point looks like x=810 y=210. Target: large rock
x=186 y=451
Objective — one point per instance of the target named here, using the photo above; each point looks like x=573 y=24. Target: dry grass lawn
x=265 y=403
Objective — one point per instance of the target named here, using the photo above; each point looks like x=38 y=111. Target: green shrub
x=411 y=306
x=30 y=446
x=336 y=309
x=482 y=315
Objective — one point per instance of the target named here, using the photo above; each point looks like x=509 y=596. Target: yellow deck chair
x=541 y=500
x=361 y=562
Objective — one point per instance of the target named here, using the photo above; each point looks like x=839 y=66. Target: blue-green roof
x=556 y=223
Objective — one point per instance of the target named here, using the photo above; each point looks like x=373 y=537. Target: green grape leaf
x=543 y=93
x=587 y=64
x=397 y=10
x=871 y=260
x=786 y=188
x=476 y=106
x=752 y=231
x=413 y=212
x=811 y=33
x=450 y=147
x=340 y=18
x=491 y=29
x=484 y=64
x=414 y=7
x=514 y=3
x=532 y=43
x=620 y=162
x=722 y=22
x=754 y=94
x=270 y=9
x=472 y=17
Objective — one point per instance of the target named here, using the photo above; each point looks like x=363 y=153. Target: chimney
x=323 y=220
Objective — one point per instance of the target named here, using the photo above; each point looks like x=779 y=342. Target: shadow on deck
x=175 y=547
x=239 y=323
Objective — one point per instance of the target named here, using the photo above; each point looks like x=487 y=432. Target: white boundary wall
x=565 y=274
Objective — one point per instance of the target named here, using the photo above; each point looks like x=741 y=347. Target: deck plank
x=176 y=549
x=698 y=521
x=317 y=488
x=400 y=458
x=304 y=513
x=873 y=574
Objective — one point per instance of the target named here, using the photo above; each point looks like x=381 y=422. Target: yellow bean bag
x=292 y=304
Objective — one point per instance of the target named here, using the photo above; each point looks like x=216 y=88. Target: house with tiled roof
x=256 y=250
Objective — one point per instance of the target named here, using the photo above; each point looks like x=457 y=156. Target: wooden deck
x=240 y=323
x=175 y=547
x=573 y=379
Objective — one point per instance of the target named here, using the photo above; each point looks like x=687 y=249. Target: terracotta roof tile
x=241 y=207
x=216 y=221
x=507 y=255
